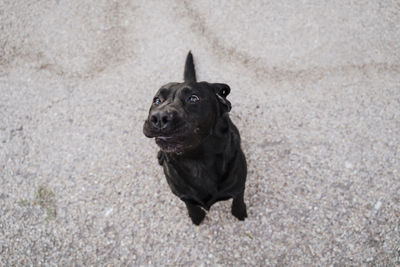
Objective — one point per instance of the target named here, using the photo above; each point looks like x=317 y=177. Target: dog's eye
x=193 y=99
x=157 y=101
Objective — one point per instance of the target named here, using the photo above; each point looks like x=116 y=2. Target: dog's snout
x=161 y=119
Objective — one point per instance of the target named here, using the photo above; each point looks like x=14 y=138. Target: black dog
x=200 y=146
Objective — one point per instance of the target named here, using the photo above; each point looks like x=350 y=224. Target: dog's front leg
x=196 y=213
x=160 y=157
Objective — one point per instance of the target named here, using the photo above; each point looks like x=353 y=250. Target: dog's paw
x=198 y=216
x=239 y=210
x=240 y=214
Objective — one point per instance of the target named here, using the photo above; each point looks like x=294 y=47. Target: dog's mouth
x=178 y=143
x=164 y=138
x=176 y=140
x=169 y=140
x=171 y=144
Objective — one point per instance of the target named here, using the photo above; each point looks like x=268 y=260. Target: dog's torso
x=214 y=171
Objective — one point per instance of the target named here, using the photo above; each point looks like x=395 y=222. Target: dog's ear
x=222 y=91
x=189 y=74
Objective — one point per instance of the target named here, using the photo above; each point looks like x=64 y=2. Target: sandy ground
x=315 y=94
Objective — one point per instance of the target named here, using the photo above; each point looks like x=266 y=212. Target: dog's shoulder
x=226 y=129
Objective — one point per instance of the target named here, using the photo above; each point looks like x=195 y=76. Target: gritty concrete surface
x=315 y=94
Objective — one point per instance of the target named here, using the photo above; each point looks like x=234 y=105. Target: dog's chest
x=196 y=180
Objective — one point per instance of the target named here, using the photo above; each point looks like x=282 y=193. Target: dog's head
x=182 y=115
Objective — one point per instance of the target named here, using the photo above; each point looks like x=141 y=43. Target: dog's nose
x=161 y=119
